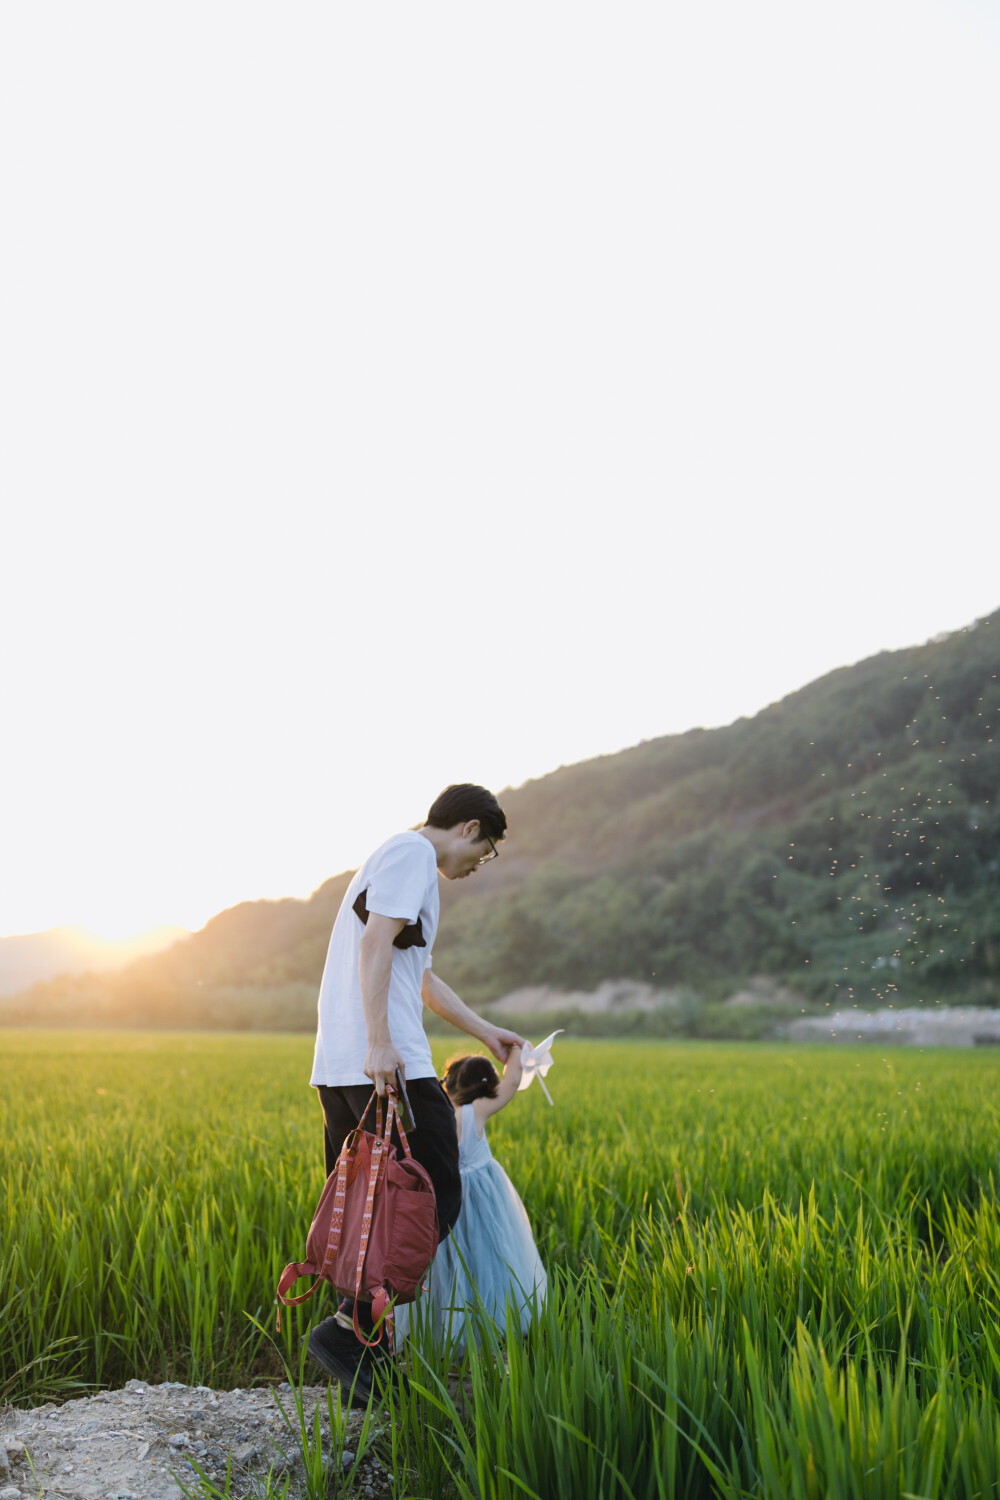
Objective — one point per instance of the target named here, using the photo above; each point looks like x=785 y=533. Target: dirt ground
x=138 y=1444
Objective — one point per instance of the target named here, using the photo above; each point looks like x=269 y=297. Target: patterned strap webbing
x=292 y=1272
x=381 y=1301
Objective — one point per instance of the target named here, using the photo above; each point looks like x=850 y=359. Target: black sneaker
x=343 y=1357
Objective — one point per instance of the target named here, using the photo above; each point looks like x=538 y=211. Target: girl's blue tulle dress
x=490 y=1255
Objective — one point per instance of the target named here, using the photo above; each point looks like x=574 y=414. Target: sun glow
x=360 y=491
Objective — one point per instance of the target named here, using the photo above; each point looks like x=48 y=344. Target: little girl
x=490 y=1255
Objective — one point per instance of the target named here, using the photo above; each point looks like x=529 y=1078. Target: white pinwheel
x=536 y=1062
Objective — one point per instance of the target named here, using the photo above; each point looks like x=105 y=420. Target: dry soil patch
x=129 y=1444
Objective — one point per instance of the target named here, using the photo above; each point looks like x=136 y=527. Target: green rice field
x=773 y=1271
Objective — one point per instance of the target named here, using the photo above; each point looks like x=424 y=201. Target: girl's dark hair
x=463 y=802
x=470 y=1076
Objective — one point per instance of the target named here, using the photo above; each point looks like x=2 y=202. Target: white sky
x=404 y=394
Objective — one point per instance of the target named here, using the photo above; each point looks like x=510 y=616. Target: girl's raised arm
x=505 y=1093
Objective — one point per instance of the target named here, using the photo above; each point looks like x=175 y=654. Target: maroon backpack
x=375 y=1230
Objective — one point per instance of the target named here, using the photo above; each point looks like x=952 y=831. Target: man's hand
x=381 y=1062
x=500 y=1042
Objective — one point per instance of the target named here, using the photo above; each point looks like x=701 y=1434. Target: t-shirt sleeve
x=398 y=884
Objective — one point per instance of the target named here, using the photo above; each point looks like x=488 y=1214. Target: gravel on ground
x=139 y=1443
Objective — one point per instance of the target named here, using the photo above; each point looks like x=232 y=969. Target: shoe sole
x=357 y=1397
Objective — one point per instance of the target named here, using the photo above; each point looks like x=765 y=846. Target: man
x=378 y=977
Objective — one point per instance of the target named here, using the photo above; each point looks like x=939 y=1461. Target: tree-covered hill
x=845 y=840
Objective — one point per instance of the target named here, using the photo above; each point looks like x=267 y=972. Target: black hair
x=468 y=1076
x=464 y=802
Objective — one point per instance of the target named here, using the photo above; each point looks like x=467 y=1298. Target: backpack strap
x=289 y=1276
x=381 y=1305
x=292 y=1272
x=339 y=1200
x=399 y=1122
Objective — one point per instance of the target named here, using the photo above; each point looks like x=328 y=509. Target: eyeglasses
x=493 y=854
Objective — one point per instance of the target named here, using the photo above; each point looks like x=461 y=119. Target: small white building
x=915 y=1026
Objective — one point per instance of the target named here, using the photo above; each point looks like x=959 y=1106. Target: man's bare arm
x=442 y=1000
x=375 y=971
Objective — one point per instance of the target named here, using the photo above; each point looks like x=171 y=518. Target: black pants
x=434 y=1144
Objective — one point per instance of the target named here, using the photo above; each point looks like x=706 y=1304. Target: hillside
x=843 y=841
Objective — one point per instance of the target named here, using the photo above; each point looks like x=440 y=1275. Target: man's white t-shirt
x=399 y=880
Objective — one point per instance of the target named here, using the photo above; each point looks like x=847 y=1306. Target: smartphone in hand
x=406 y=1119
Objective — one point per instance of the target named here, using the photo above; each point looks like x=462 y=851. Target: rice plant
x=773 y=1271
